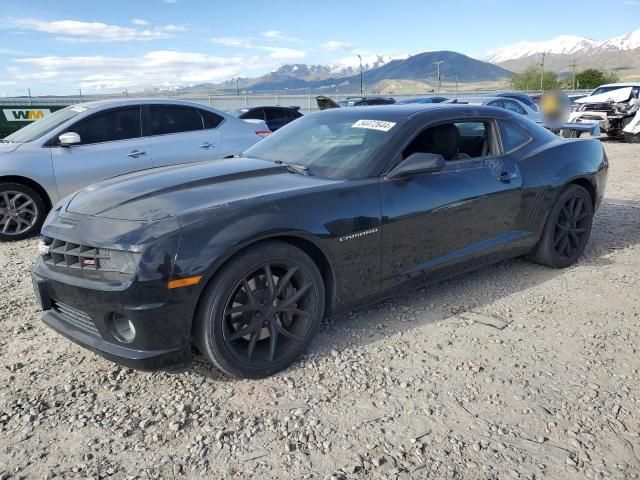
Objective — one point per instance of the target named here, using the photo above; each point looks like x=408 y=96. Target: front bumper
x=83 y=312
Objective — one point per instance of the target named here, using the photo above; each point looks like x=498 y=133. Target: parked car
x=246 y=256
x=326 y=102
x=507 y=103
x=82 y=144
x=615 y=107
x=423 y=100
x=521 y=97
x=276 y=117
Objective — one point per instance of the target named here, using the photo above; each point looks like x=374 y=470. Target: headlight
x=622 y=107
x=118 y=260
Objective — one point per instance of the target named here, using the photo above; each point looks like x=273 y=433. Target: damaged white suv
x=615 y=106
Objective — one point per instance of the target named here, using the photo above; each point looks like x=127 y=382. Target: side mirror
x=68 y=139
x=418 y=163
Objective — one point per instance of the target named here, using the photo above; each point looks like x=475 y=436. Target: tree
x=529 y=79
x=592 y=77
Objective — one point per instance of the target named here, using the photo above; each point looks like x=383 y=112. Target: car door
x=111 y=144
x=452 y=218
x=177 y=134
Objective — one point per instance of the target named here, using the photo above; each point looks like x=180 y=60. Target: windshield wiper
x=301 y=169
x=2 y=140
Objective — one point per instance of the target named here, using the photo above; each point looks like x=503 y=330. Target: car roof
x=247 y=108
x=620 y=84
x=123 y=102
x=397 y=111
x=477 y=100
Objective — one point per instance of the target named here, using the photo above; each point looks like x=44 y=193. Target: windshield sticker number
x=379 y=125
x=78 y=109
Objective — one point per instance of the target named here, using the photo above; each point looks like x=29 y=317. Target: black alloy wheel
x=261 y=310
x=572 y=227
x=567 y=229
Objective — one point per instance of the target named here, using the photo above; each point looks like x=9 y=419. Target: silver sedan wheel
x=18 y=212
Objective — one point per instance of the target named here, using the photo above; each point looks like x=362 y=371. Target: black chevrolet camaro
x=243 y=257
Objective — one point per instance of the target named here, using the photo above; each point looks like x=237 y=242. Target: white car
x=82 y=144
x=615 y=107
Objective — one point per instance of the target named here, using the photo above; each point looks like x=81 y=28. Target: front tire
x=260 y=311
x=566 y=230
x=22 y=211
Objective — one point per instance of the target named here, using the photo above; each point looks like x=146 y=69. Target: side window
x=514 y=107
x=210 y=119
x=255 y=114
x=496 y=103
x=276 y=115
x=512 y=136
x=454 y=141
x=165 y=119
x=119 y=124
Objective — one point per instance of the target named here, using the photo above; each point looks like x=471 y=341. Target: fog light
x=122 y=328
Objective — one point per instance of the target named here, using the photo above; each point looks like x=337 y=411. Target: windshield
x=330 y=146
x=600 y=90
x=43 y=126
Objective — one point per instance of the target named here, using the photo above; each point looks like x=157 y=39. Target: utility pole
x=573 y=83
x=238 y=86
x=542 y=72
x=361 y=79
x=439 y=81
x=30 y=100
x=80 y=90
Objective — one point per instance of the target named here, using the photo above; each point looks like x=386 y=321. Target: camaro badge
x=358 y=235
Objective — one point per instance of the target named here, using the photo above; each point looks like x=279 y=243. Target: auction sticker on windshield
x=374 y=125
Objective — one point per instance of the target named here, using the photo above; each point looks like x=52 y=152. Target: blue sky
x=60 y=46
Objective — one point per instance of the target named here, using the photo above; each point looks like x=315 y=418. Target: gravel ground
x=513 y=371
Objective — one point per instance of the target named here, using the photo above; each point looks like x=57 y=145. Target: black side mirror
x=418 y=163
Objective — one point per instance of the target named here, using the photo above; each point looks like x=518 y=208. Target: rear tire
x=261 y=311
x=22 y=211
x=567 y=229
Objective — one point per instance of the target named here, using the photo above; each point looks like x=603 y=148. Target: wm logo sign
x=25 y=114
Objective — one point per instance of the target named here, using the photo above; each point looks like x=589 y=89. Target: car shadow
x=616 y=226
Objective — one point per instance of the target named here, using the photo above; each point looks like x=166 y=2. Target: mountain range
x=419 y=71
x=620 y=54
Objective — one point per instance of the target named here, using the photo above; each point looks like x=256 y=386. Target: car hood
x=157 y=194
x=8 y=147
x=619 y=95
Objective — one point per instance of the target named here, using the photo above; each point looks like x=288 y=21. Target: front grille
x=598 y=107
x=73 y=255
x=75 y=317
x=87 y=261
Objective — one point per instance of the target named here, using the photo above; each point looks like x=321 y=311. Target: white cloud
x=335 y=46
x=272 y=34
x=154 y=68
x=78 y=31
x=233 y=41
x=284 y=53
x=140 y=22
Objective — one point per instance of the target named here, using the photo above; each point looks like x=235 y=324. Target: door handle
x=207 y=145
x=136 y=154
x=506 y=177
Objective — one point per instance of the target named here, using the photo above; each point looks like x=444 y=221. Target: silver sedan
x=85 y=143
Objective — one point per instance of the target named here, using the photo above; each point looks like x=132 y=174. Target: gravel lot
x=514 y=371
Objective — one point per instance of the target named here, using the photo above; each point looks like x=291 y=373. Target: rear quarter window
x=512 y=136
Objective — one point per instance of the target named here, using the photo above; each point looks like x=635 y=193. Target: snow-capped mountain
x=565 y=45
